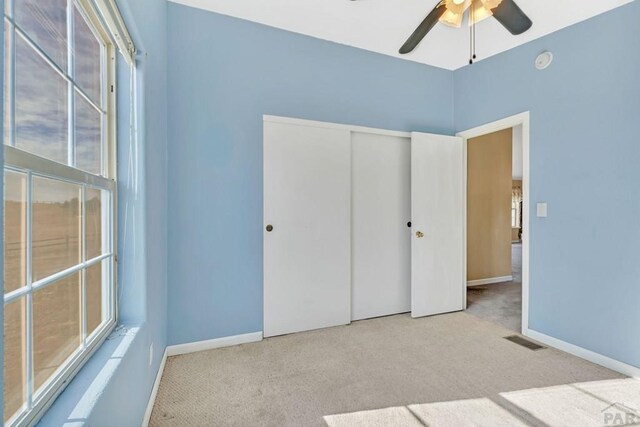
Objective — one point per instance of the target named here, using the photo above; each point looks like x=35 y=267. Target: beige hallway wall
x=489 y=160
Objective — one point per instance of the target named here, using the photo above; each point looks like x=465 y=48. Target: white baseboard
x=598 y=359
x=489 y=281
x=154 y=391
x=192 y=347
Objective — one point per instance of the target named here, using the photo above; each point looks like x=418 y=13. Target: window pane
x=45 y=22
x=41 y=106
x=94 y=297
x=7 y=84
x=88 y=137
x=56 y=326
x=56 y=226
x=14 y=357
x=15 y=230
x=86 y=57
x=93 y=222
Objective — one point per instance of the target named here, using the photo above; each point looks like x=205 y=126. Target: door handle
x=419 y=234
x=269 y=228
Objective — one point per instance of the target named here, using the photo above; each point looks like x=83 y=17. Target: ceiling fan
x=451 y=12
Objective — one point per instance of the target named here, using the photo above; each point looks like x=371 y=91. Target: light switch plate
x=541 y=210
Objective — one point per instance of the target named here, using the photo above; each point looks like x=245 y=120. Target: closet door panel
x=437 y=210
x=307 y=253
x=381 y=239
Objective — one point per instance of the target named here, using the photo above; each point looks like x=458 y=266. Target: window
x=59 y=284
x=516 y=204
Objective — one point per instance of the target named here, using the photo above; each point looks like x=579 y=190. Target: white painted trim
x=583 y=353
x=522 y=119
x=489 y=281
x=154 y=391
x=192 y=347
x=496 y=126
x=313 y=123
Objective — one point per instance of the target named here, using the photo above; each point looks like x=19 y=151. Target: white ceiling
x=383 y=25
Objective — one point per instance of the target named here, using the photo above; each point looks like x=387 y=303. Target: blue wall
x=224 y=74
x=147 y=20
x=585 y=151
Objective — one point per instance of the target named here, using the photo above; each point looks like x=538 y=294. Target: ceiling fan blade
x=509 y=14
x=422 y=30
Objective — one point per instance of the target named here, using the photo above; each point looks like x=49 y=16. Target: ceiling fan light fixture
x=491 y=4
x=458 y=7
x=480 y=12
x=452 y=19
x=454 y=12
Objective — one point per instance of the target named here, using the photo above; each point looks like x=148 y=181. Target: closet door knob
x=269 y=228
x=409 y=224
x=419 y=234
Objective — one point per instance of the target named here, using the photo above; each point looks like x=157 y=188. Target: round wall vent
x=544 y=60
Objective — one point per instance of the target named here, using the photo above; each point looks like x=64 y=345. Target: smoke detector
x=544 y=60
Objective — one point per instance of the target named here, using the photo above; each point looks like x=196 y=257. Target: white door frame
x=522 y=119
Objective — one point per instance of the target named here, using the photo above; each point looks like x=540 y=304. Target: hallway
x=500 y=303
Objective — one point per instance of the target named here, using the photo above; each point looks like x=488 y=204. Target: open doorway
x=496 y=159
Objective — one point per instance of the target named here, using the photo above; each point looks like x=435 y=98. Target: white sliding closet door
x=437 y=206
x=307 y=253
x=381 y=239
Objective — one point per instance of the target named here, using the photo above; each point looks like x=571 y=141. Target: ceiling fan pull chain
x=470 y=40
x=474 y=32
x=472 y=35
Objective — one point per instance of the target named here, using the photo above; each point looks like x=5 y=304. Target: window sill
x=77 y=402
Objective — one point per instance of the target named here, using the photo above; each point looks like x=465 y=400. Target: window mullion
x=11 y=69
x=108 y=221
x=50 y=280
x=71 y=155
x=104 y=131
x=83 y=278
x=29 y=297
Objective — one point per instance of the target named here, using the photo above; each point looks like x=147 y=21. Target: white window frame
x=33 y=165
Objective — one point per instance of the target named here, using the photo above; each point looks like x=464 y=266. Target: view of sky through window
x=58 y=99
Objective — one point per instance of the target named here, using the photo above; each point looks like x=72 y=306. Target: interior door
x=381 y=240
x=437 y=213
x=307 y=227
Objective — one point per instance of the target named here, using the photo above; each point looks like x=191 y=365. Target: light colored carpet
x=500 y=303
x=379 y=372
